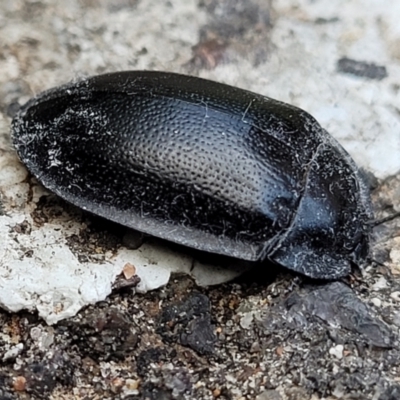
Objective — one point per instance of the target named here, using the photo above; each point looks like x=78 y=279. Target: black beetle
x=202 y=164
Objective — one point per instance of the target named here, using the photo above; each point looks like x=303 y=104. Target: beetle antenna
x=380 y=221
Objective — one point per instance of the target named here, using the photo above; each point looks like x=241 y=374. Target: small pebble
x=337 y=351
x=246 y=320
x=13 y=352
x=255 y=347
x=381 y=283
x=216 y=392
x=395 y=296
x=116 y=384
x=129 y=271
x=19 y=384
x=132 y=384
x=279 y=351
x=131 y=387
x=376 y=302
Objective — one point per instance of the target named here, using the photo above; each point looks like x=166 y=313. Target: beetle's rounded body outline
x=202 y=164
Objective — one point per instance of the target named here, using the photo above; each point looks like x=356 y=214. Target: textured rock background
x=264 y=337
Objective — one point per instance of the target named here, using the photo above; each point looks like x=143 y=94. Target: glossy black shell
x=202 y=164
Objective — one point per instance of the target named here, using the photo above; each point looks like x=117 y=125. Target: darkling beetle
x=202 y=164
